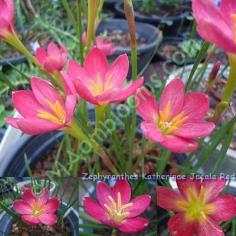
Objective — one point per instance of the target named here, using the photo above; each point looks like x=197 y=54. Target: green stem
x=80 y=31
x=74 y=130
x=92 y=9
x=162 y=163
x=229 y=90
x=114 y=232
x=14 y=41
x=129 y=13
x=100 y=112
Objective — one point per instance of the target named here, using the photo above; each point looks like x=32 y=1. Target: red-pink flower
x=43 y=109
x=6 y=18
x=104 y=45
x=200 y=207
x=98 y=82
x=35 y=209
x=115 y=209
x=217 y=24
x=53 y=59
x=177 y=120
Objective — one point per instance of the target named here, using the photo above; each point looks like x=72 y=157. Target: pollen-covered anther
x=117 y=211
x=57 y=116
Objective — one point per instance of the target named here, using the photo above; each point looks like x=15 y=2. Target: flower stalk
x=228 y=92
x=92 y=15
x=129 y=14
x=14 y=41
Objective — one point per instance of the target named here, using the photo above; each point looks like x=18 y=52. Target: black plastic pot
x=177 y=21
x=34 y=148
x=110 y=4
x=179 y=58
x=6 y=222
x=146 y=31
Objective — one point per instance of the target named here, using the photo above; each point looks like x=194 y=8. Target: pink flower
x=216 y=24
x=115 y=209
x=177 y=120
x=104 y=45
x=53 y=59
x=43 y=109
x=199 y=206
x=36 y=210
x=98 y=82
x=6 y=18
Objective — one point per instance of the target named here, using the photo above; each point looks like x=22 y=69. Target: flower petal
x=22 y=207
x=134 y=225
x=41 y=55
x=43 y=91
x=172 y=99
x=37 y=126
x=178 y=226
x=96 y=63
x=147 y=105
x=70 y=105
x=48 y=219
x=12 y=121
x=213 y=188
x=25 y=103
x=93 y=209
x=214 y=25
x=178 y=144
x=118 y=71
x=84 y=92
x=52 y=205
x=30 y=219
x=7 y=10
x=167 y=198
x=140 y=204
x=225 y=208
x=75 y=71
x=69 y=85
x=102 y=193
x=195 y=129
x=122 y=187
x=126 y=92
x=209 y=227
x=43 y=197
x=28 y=195
x=189 y=183
x=196 y=105
x=151 y=131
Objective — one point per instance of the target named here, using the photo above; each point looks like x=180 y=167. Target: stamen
x=119 y=204
x=59 y=116
x=116 y=210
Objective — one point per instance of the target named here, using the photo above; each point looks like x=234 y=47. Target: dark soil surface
x=160 y=10
x=44 y=167
x=42 y=230
x=121 y=39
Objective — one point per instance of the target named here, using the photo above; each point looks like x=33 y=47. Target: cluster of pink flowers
x=199 y=204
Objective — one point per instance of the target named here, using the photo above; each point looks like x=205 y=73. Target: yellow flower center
x=116 y=210
x=167 y=124
x=196 y=206
x=37 y=209
x=233 y=17
x=98 y=86
x=58 y=115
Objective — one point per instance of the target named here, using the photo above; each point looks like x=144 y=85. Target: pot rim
x=139 y=16
x=156 y=33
